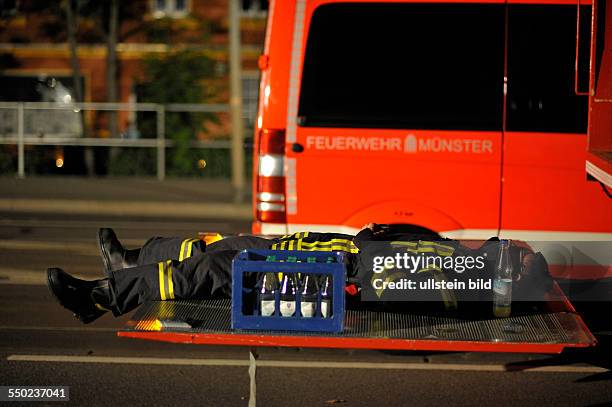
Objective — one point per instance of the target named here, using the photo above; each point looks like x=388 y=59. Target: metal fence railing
x=20 y=126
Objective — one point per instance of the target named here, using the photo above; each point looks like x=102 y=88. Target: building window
x=250 y=97
x=254 y=8
x=170 y=8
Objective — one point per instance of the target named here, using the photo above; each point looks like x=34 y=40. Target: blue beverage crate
x=255 y=261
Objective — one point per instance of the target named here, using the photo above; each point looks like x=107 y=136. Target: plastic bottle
x=502 y=282
x=287 y=295
x=267 y=294
x=309 y=290
x=326 y=296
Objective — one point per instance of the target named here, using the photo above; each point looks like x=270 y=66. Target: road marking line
x=127 y=360
x=301 y=364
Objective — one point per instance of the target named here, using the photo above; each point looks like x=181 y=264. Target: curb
x=130 y=208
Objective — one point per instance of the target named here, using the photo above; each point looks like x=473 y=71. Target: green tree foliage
x=177 y=78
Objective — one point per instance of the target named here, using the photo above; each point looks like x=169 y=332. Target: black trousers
x=176 y=268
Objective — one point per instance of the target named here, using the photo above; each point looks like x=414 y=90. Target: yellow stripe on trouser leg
x=162 y=291
x=190 y=247
x=170 y=283
x=182 y=251
x=186 y=249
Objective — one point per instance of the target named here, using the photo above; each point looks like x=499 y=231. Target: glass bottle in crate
x=308 y=290
x=267 y=294
x=326 y=296
x=287 y=295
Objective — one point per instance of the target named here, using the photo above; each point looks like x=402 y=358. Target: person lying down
x=168 y=268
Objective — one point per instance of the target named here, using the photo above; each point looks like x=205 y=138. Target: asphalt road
x=41 y=344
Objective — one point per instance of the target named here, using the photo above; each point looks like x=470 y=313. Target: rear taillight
x=270 y=194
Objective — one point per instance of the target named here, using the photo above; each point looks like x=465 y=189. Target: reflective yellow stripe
x=336 y=244
x=162 y=291
x=190 y=247
x=435 y=247
x=344 y=245
x=324 y=246
x=431 y=267
x=310 y=245
x=442 y=250
x=170 y=284
x=344 y=241
x=292 y=236
x=398 y=243
x=184 y=249
x=445 y=250
x=328 y=247
x=101 y=308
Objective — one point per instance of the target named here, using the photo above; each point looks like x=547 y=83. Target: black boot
x=88 y=300
x=114 y=256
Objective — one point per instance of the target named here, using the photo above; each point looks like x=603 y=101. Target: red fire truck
x=465 y=118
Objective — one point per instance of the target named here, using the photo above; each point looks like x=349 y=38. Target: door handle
x=297 y=148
